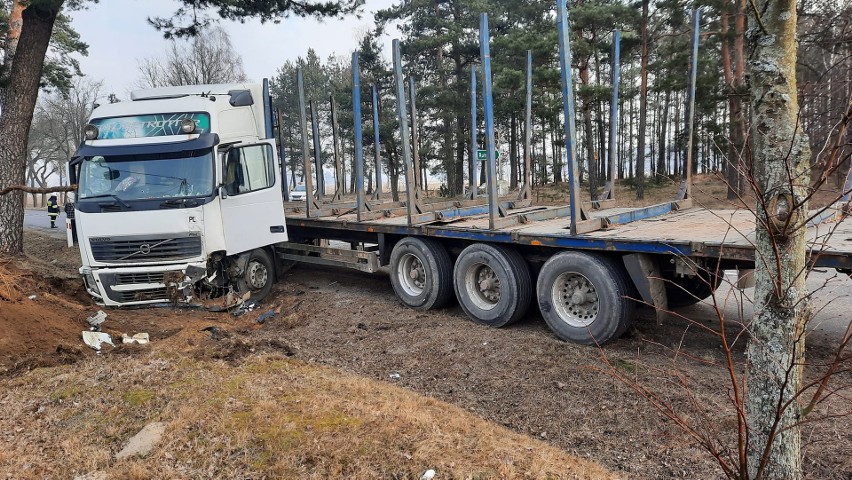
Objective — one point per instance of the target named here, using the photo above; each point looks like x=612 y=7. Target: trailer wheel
x=685 y=291
x=421 y=273
x=584 y=298
x=493 y=284
x=258 y=276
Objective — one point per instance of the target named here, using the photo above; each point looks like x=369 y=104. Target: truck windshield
x=137 y=177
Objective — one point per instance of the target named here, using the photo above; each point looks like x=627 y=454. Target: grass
x=266 y=417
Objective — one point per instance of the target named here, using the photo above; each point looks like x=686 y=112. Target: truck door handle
x=277 y=229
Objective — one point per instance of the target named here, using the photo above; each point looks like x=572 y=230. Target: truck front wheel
x=258 y=275
x=421 y=273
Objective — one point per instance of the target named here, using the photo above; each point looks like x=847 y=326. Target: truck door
x=252 y=208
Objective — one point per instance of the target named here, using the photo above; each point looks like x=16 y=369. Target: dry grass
x=269 y=417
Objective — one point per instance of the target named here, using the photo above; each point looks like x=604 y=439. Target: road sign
x=483 y=155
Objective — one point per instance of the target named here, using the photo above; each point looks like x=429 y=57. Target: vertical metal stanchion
x=377 y=145
x=488 y=109
x=359 y=150
x=568 y=111
x=613 y=114
x=410 y=197
x=317 y=152
x=472 y=164
x=282 y=155
x=267 y=108
x=415 y=138
x=526 y=191
x=339 y=179
x=686 y=184
x=310 y=199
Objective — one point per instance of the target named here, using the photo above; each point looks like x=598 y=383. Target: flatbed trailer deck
x=725 y=235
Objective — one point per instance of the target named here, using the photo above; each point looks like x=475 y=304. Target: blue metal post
x=359 y=150
x=267 y=108
x=488 y=109
x=403 y=127
x=282 y=155
x=568 y=112
x=317 y=152
x=686 y=185
x=613 y=111
x=526 y=192
x=472 y=164
x=377 y=145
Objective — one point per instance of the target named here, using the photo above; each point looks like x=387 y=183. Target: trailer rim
x=482 y=285
x=412 y=274
x=575 y=299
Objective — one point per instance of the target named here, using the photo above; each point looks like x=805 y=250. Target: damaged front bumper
x=117 y=287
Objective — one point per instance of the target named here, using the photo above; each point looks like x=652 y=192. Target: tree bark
x=781 y=158
x=17 y=116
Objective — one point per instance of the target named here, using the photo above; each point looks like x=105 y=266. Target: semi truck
x=181 y=189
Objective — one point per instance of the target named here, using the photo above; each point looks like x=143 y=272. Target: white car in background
x=298 y=194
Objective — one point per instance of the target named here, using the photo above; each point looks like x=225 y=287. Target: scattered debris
x=96 y=320
x=143 y=442
x=395 y=376
x=99 y=475
x=244 y=308
x=140 y=338
x=428 y=475
x=95 y=339
x=216 y=333
x=266 y=316
x=295 y=307
x=33 y=297
x=361 y=325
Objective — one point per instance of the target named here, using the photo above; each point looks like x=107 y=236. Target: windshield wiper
x=179 y=202
x=104 y=195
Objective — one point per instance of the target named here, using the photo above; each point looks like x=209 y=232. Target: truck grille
x=133 y=278
x=140 y=295
x=146 y=249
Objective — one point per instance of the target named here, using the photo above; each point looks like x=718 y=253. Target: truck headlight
x=90 y=132
x=187 y=125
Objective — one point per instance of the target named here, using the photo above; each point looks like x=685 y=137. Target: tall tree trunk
x=17 y=116
x=781 y=159
x=643 y=106
x=661 y=152
x=588 y=133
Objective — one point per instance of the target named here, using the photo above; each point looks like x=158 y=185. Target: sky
x=119 y=35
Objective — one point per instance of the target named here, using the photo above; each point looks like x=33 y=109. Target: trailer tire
x=258 y=276
x=584 y=298
x=421 y=273
x=482 y=267
x=685 y=291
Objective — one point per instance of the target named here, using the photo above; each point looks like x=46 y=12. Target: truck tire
x=421 y=273
x=258 y=276
x=584 y=298
x=685 y=291
x=493 y=284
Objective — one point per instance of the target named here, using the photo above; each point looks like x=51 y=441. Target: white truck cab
x=179 y=185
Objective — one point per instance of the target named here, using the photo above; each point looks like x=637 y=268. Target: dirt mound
x=36 y=319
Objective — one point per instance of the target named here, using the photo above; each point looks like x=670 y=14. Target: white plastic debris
x=97 y=319
x=428 y=475
x=33 y=297
x=95 y=339
x=140 y=338
x=394 y=376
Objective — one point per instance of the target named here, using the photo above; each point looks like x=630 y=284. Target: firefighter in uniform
x=52 y=210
